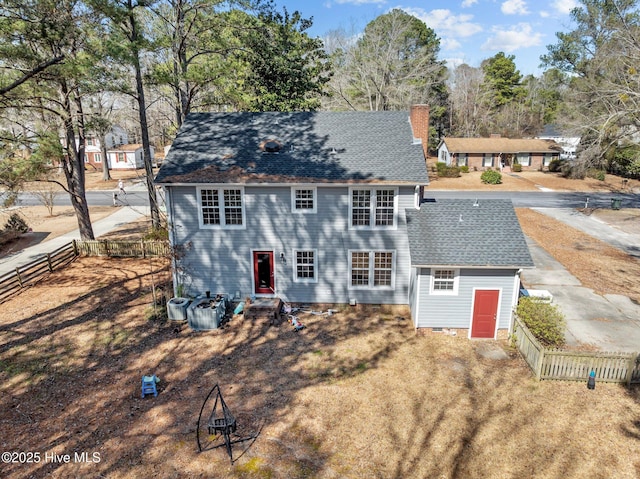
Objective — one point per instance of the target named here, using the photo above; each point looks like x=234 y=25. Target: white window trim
x=528 y=159
x=222 y=225
x=97 y=158
x=370 y=286
x=304 y=211
x=439 y=292
x=372 y=209
x=547 y=158
x=295 y=266
x=463 y=159
x=485 y=157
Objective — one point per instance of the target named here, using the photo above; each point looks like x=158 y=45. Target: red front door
x=263 y=276
x=485 y=310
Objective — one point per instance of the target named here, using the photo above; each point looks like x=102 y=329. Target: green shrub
x=596 y=173
x=491 y=177
x=450 y=172
x=156 y=234
x=440 y=167
x=517 y=168
x=464 y=169
x=544 y=320
x=16 y=223
x=555 y=165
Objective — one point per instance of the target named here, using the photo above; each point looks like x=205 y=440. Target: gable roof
x=500 y=145
x=456 y=233
x=311 y=147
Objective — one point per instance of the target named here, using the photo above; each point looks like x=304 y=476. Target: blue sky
x=469 y=30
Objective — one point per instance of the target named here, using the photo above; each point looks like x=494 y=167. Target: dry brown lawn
x=357 y=394
x=603 y=268
x=531 y=181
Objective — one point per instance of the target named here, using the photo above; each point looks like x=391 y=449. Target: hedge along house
x=497 y=152
x=308 y=206
x=466 y=258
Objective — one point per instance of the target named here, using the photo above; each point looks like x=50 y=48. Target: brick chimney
x=419 y=118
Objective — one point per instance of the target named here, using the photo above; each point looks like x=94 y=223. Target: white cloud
x=514 y=7
x=544 y=14
x=519 y=36
x=564 y=6
x=468 y=3
x=446 y=24
x=450 y=44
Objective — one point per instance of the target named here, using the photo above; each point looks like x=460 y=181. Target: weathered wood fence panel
x=575 y=365
x=28 y=274
x=123 y=249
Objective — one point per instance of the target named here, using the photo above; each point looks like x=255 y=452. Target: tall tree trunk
x=106 y=175
x=144 y=128
x=74 y=163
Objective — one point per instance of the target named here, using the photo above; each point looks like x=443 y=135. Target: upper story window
x=221 y=207
x=303 y=200
x=373 y=208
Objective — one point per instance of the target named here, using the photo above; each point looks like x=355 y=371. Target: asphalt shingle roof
x=343 y=147
x=500 y=145
x=457 y=233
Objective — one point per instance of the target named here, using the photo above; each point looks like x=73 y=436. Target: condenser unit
x=177 y=308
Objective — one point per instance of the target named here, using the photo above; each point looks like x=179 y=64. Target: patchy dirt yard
x=531 y=181
x=603 y=268
x=353 y=395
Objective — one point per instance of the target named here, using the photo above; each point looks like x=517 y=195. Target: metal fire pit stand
x=220 y=421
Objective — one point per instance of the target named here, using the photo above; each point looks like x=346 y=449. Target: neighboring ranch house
x=497 y=152
x=127 y=157
x=313 y=207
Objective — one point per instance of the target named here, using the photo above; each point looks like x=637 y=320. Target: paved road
x=137 y=196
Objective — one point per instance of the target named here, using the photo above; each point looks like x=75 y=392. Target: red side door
x=263 y=275
x=485 y=310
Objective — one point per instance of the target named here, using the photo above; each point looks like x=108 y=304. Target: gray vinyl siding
x=454 y=311
x=220 y=260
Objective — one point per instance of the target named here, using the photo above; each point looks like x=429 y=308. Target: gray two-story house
x=308 y=206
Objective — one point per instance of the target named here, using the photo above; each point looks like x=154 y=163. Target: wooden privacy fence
x=575 y=365
x=122 y=249
x=28 y=274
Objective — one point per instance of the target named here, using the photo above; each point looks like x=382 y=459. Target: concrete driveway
x=610 y=322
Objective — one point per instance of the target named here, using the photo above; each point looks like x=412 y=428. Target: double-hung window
x=547 y=159
x=303 y=200
x=371 y=269
x=444 y=281
x=373 y=208
x=524 y=159
x=305 y=267
x=221 y=207
x=487 y=160
x=463 y=159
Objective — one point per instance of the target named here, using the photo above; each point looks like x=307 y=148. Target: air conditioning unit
x=207 y=313
x=177 y=308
